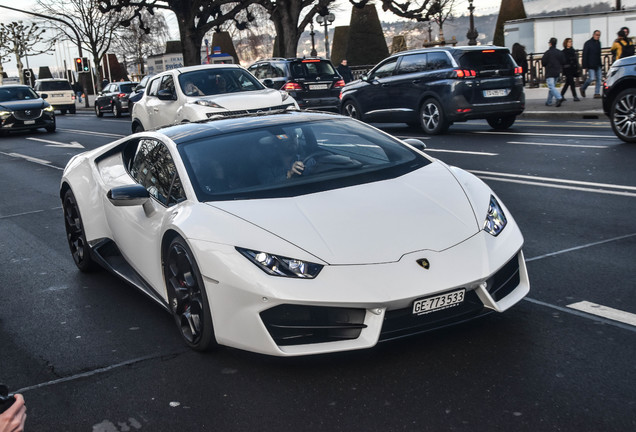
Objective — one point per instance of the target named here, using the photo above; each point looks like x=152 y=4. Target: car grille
x=251 y=111
x=402 y=322
x=27 y=114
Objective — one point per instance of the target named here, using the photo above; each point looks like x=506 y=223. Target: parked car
x=435 y=87
x=22 y=109
x=60 y=93
x=114 y=98
x=619 y=98
x=200 y=92
x=313 y=82
x=276 y=232
x=138 y=91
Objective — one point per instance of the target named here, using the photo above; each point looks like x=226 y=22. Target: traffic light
x=78 y=65
x=85 y=65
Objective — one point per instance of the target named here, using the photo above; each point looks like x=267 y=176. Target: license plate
x=438 y=302
x=318 y=86
x=57 y=95
x=496 y=93
x=26 y=122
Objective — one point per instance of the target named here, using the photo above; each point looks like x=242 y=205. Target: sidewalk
x=587 y=108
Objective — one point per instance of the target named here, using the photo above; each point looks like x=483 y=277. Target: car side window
x=278 y=70
x=384 y=70
x=153 y=168
x=412 y=63
x=154 y=87
x=438 y=60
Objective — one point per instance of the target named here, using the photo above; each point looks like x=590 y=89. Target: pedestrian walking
x=345 y=71
x=77 y=88
x=593 y=63
x=623 y=45
x=521 y=58
x=553 y=61
x=570 y=68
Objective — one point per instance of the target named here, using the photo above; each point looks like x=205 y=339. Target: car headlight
x=209 y=104
x=284 y=95
x=4 y=114
x=281 y=266
x=49 y=109
x=495 y=219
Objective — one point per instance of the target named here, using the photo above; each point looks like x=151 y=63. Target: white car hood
x=370 y=223
x=245 y=100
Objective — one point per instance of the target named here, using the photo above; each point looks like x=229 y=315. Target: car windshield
x=485 y=60
x=54 y=85
x=126 y=88
x=17 y=93
x=312 y=69
x=259 y=163
x=213 y=81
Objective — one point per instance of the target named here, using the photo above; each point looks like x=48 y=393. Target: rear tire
x=62 y=112
x=501 y=123
x=432 y=117
x=73 y=110
x=116 y=110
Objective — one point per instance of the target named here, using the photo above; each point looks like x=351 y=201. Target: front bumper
x=355 y=306
x=11 y=123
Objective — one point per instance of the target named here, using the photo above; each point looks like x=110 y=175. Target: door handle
x=385 y=85
x=155 y=109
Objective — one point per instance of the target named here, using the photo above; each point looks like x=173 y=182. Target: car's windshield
x=266 y=162
x=17 y=93
x=54 y=85
x=213 y=81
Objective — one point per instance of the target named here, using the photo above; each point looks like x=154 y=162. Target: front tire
x=623 y=115
x=501 y=123
x=350 y=108
x=98 y=113
x=80 y=250
x=432 y=117
x=187 y=296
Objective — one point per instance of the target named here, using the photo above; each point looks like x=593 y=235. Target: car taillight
x=518 y=70
x=292 y=86
x=339 y=83
x=121 y=95
x=465 y=73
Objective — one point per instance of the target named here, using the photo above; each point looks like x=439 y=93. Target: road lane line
x=554 y=186
x=582 y=314
x=104 y=134
x=572 y=249
x=544 y=134
x=605 y=312
x=73 y=144
x=554 y=180
x=558 y=145
x=32 y=159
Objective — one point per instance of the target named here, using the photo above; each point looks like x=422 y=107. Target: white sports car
x=293 y=233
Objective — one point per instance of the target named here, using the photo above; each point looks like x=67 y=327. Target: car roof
x=186 y=132
x=203 y=67
x=51 y=79
x=14 y=86
x=452 y=49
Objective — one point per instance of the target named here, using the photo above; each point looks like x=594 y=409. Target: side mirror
x=415 y=143
x=268 y=83
x=165 y=95
x=133 y=195
x=44 y=95
x=364 y=77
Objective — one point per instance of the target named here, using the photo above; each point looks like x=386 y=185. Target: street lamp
x=325 y=20
x=313 y=53
x=472 y=31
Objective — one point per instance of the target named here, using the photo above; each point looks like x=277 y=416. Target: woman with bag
x=571 y=68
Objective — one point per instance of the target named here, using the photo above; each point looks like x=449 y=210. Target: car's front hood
x=369 y=223
x=23 y=105
x=245 y=100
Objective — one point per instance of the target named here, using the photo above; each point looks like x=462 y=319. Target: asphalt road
x=89 y=353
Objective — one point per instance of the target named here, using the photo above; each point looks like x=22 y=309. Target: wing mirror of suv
x=165 y=95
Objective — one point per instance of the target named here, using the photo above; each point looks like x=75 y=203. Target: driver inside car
x=286 y=162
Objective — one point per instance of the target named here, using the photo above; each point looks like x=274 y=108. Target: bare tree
x=194 y=17
x=5 y=50
x=22 y=39
x=141 y=39
x=418 y=10
x=439 y=12
x=96 y=29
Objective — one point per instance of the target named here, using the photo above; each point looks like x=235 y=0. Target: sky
x=342 y=11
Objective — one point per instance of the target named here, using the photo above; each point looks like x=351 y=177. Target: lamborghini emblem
x=423 y=262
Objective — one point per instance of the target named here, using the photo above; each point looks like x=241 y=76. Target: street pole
x=313 y=53
x=472 y=31
x=326 y=20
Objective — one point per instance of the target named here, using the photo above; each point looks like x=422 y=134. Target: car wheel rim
x=625 y=116
x=96 y=109
x=115 y=110
x=430 y=116
x=187 y=301
x=74 y=230
x=351 y=110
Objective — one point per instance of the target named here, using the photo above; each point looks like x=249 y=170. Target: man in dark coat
x=593 y=63
x=345 y=71
x=553 y=61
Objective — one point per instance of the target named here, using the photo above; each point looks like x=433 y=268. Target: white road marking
x=73 y=144
x=580 y=247
x=554 y=186
x=605 y=312
x=557 y=145
x=92 y=133
x=32 y=159
x=543 y=134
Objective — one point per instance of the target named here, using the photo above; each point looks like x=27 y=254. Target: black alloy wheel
x=350 y=108
x=501 y=123
x=432 y=117
x=623 y=115
x=80 y=250
x=187 y=297
x=98 y=113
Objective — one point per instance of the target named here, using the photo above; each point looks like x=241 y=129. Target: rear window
x=486 y=60
x=311 y=69
x=126 y=88
x=54 y=85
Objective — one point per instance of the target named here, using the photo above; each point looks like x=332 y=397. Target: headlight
x=4 y=114
x=208 y=103
x=284 y=95
x=495 y=219
x=49 y=108
x=282 y=266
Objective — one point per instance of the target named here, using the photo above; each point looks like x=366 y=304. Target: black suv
x=114 y=98
x=619 y=98
x=313 y=82
x=434 y=87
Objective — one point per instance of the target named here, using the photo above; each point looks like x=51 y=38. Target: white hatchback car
x=200 y=92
